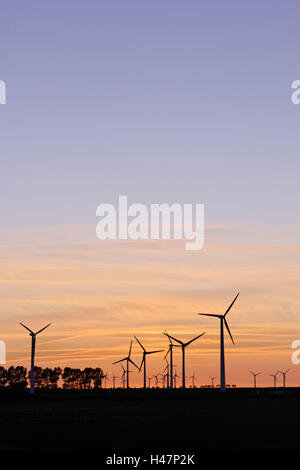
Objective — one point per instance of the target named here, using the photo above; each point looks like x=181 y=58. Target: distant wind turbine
x=254 y=376
x=123 y=380
x=183 y=346
x=283 y=375
x=274 y=378
x=222 y=353
x=144 y=360
x=127 y=359
x=105 y=379
x=167 y=370
x=193 y=377
x=175 y=378
x=114 y=380
x=212 y=381
x=33 y=341
x=149 y=381
x=170 y=351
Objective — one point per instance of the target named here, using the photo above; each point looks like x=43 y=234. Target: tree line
x=51 y=379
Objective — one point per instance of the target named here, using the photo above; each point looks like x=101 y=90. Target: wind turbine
x=105 y=379
x=156 y=380
x=170 y=351
x=175 y=378
x=222 y=352
x=33 y=341
x=183 y=346
x=254 y=376
x=114 y=380
x=212 y=381
x=193 y=377
x=149 y=381
x=274 y=378
x=144 y=360
x=283 y=375
x=123 y=376
x=167 y=370
x=127 y=359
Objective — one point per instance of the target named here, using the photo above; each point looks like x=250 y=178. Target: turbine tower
x=212 y=381
x=33 y=341
x=144 y=360
x=127 y=359
x=222 y=352
x=183 y=346
x=254 y=376
x=283 y=375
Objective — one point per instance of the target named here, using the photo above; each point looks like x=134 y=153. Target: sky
x=170 y=101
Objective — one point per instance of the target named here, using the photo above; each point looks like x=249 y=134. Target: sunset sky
x=163 y=102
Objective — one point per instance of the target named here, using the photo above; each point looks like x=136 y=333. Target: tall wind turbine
x=222 y=352
x=183 y=346
x=274 y=378
x=127 y=359
x=212 y=381
x=144 y=360
x=33 y=341
x=254 y=376
x=283 y=375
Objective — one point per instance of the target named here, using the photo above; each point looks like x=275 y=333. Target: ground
x=162 y=421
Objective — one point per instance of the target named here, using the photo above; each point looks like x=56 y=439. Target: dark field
x=157 y=420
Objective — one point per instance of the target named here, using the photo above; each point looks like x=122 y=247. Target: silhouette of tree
x=3 y=377
x=17 y=377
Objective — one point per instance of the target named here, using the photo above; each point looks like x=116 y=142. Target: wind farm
x=149 y=383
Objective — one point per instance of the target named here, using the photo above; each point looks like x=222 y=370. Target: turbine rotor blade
x=130 y=348
x=121 y=360
x=178 y=340
x=210 y=315
x=227 y=327
x=231 y=304
x=166 y=334
x=140 y=344
x=194 y=339
x=43 y=329
x=27 y=328
x=128 y=359
x=153 y=352
x=143 y=360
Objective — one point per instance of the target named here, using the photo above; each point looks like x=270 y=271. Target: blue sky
x=162 y=101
